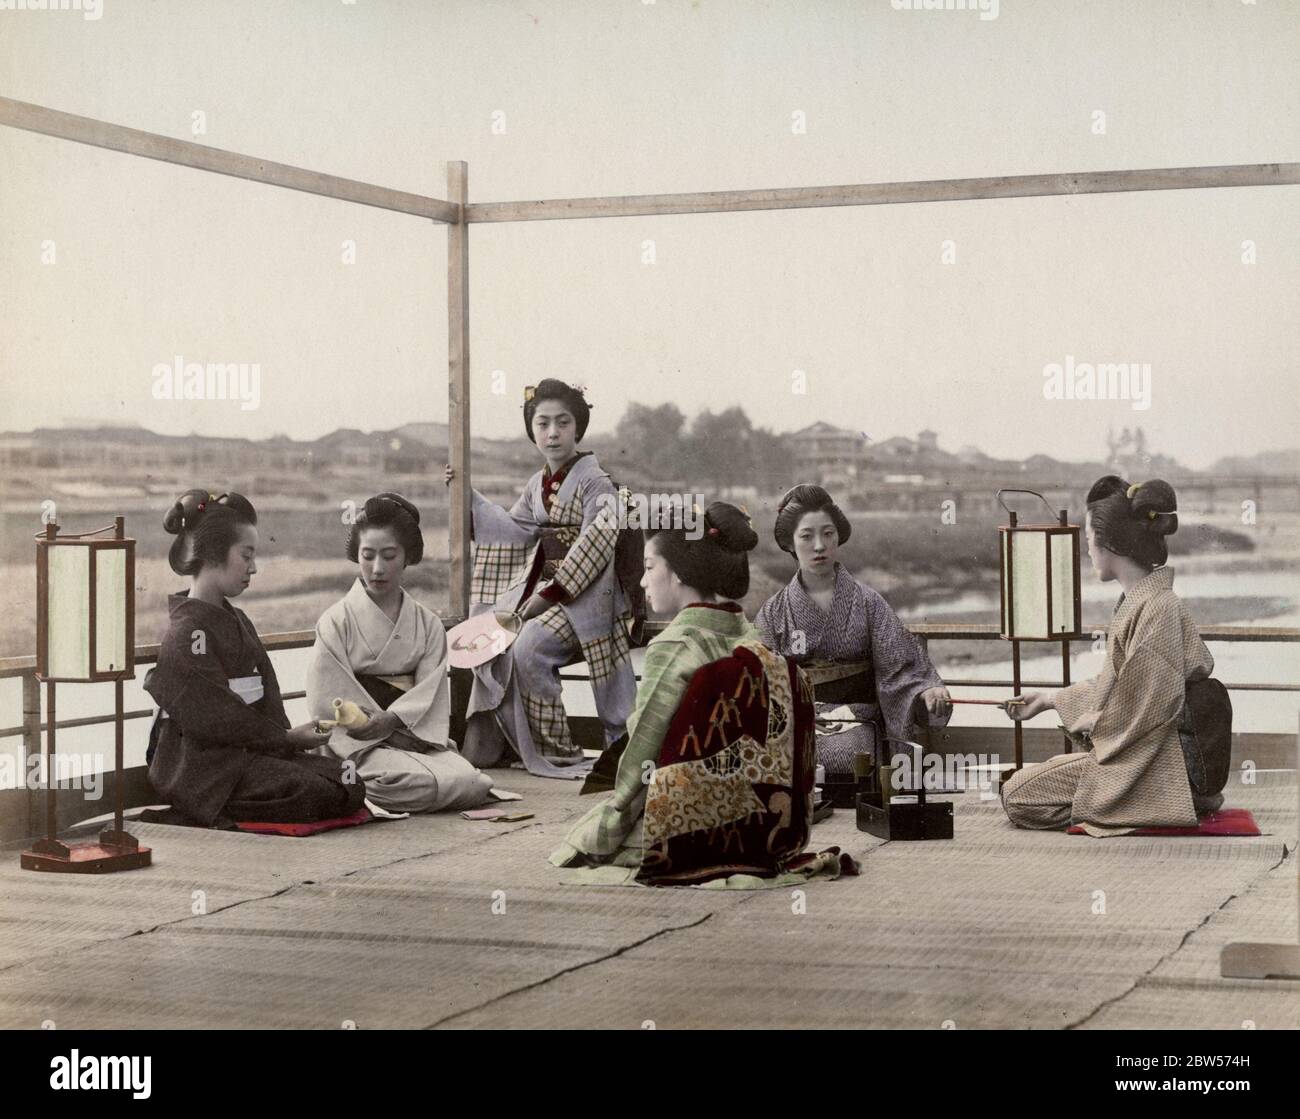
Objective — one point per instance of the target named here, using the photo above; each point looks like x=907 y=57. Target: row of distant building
x=897 y=473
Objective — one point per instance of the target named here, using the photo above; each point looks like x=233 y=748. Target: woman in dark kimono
x=826 y=615
x=221 y=750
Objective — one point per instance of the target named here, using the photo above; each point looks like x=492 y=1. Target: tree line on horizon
x=724 y=447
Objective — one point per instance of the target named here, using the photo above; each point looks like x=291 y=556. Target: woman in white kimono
x=551 y=559
x=1131 y=772
x=387 y=653
x=825 y=615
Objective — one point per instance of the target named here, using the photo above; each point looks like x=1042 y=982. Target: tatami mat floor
x=438 y=921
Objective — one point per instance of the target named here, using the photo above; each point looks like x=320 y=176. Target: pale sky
x=625 y=97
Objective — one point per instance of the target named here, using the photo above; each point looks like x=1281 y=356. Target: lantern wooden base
x=85 y=858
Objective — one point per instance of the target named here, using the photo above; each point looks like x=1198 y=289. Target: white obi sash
x=248 y=688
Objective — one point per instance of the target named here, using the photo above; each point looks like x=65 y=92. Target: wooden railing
x=22 y=809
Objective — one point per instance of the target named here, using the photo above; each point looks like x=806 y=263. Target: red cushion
x=360 y=816
x=1228 y=821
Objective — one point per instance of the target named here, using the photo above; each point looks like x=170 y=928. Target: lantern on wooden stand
x=85 y=633
x=1041 y=597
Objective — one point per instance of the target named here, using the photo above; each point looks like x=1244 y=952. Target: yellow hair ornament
x=1133 y=489
x=529 y=392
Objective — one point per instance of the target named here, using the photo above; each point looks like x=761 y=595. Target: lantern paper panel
x=68 y=625
x=110 y=610
x=1028 y=563
x=1038 y=569
x=1065 y=558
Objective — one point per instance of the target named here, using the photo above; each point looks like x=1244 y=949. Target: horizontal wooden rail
x=185 y=153
x=879 y=194
x=960 y=631
x=931 y=631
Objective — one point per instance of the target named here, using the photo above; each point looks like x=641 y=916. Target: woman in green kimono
x=1131 y=772
x=715 y=776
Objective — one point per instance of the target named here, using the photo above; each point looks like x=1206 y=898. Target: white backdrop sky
x=626 y=97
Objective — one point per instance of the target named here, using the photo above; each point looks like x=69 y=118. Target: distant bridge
x=1201 y=494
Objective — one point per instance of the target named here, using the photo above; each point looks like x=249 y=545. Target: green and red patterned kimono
x=716 y=778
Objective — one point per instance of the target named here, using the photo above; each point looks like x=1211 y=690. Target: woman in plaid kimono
x=551 y=559
x=1131 y=772
x=826 y=615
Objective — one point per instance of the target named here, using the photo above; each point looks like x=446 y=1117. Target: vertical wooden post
x=31 y=747
x=51 y=762
x=1018 y=733
x=1065 y=683
x=50 y=845
x=458 y=426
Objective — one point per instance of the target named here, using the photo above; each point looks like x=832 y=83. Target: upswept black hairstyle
x=206 y=525
x=1133 y=521
x=803 y=499
x=550 y=389
x=717 y=563
x=389 y=510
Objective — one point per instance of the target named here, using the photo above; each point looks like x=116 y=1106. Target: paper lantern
x=85 y=633
x=85 y=607
x=1041 y=599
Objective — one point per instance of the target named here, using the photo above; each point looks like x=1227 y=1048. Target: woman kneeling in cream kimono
x=386 y=653
x=1132 y=772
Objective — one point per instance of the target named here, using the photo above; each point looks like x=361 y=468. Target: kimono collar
x=549 y=488
x=554 y=481
x=711 y=616
x=1161 y=579
x=181 y=604
x=359 y=599
x=799 y=590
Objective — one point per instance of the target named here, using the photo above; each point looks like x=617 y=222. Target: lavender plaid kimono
x=860 y=626
x=516 y=702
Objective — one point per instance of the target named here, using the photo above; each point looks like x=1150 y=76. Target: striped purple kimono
x=860 y=626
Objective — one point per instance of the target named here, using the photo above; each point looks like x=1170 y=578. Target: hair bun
x=374 y=504
x=185 y=513
x=1155 y=506
x=730 y=527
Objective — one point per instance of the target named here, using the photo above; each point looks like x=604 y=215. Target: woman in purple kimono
x=826 y=615
x=221 y=749
x=551 y=560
